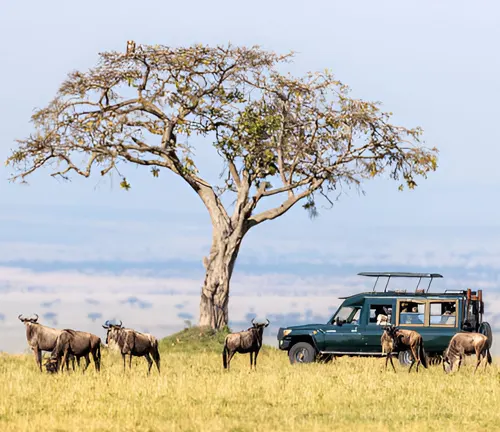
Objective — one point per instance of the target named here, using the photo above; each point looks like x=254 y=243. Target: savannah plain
x=194 y=393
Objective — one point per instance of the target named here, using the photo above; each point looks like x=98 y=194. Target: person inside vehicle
x=449 y=315
x=384 y=316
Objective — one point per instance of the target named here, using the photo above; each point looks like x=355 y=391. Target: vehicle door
x=378 y=313
x=343 y=332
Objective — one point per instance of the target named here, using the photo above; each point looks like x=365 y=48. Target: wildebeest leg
x=251 y=359
x=38 y=357
x=150 y=362
x=389 y=357
x=413 y=359
x=156 y=358
x=416 y=355
x=229 y=357
x=478 y=359
x=123 y=356
x=255 y=360
x=87 y=362
x=97 y=361
x=65 y=361
x=130 y=361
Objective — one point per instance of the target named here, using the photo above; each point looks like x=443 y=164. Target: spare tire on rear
x=485 y=328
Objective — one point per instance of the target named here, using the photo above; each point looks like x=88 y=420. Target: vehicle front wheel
x=302 y=352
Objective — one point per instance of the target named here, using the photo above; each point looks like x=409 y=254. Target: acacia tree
x=296 y=139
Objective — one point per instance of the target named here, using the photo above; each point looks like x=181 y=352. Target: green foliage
x=124 y=184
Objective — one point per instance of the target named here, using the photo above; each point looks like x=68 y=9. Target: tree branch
x=283 y=208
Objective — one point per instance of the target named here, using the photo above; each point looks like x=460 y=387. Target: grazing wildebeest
x=42 y=338
x=248 y=341
x=403 y=340
x=133 y=343
x=463 y=344
x=78 y=344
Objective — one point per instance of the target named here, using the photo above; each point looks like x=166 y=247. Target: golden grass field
x=194 y=393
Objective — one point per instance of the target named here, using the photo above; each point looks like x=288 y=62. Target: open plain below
x=194 y=393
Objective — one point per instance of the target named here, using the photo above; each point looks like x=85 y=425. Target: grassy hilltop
x=194 y=393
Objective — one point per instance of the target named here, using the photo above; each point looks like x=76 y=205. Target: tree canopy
x=276 y=133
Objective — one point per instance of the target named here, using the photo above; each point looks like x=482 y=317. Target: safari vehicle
x=356 y=327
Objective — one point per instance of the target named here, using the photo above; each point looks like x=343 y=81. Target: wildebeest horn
x=253 y=319
x=268 y=322
x=120 y=323
x=106 y=325
x=36 y=319
x=20 y=317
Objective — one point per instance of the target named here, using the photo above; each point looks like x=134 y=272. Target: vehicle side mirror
x=338 y=321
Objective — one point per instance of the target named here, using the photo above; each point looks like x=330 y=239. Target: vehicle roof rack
x=389 y=275
x=401 y=274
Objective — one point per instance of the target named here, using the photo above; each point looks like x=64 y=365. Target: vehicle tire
x=302 y=352
x=485 y=328
x=404 y=358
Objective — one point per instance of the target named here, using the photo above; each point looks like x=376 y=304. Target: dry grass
x=193 y=393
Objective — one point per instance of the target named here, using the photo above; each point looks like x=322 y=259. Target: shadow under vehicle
x=357 y=325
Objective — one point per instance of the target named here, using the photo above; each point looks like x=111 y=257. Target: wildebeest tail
x=156 y=352
x=421 y=354
x=224 y=355
x=488 y=356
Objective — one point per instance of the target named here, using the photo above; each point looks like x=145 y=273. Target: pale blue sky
x=434 y=64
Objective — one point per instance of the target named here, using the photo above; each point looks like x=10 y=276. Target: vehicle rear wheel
x=485 y=328
x=404 y=358
x=302 y=352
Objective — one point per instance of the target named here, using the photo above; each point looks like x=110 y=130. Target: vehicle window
x=380 y=314
x=348 y=315
x=411 y=313
x=443 y=313
x=355 y=318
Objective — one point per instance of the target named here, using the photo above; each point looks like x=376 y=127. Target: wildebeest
x=133 y=343
x=463 y=344
x=42 y=338
x=248 y=341
x=403 y=340
x=387 y=348
x=78 y=344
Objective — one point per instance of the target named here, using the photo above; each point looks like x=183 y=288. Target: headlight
x=286 y=332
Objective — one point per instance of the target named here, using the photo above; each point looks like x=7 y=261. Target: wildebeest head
x=51 y=365
x=112 y=330
x=28 y=320
x=392 y=331
x=447 y=363
x=259 y=326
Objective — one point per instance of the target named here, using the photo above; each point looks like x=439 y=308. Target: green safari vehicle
x=357 y=325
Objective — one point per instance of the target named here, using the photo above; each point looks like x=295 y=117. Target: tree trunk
x=219 y=268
